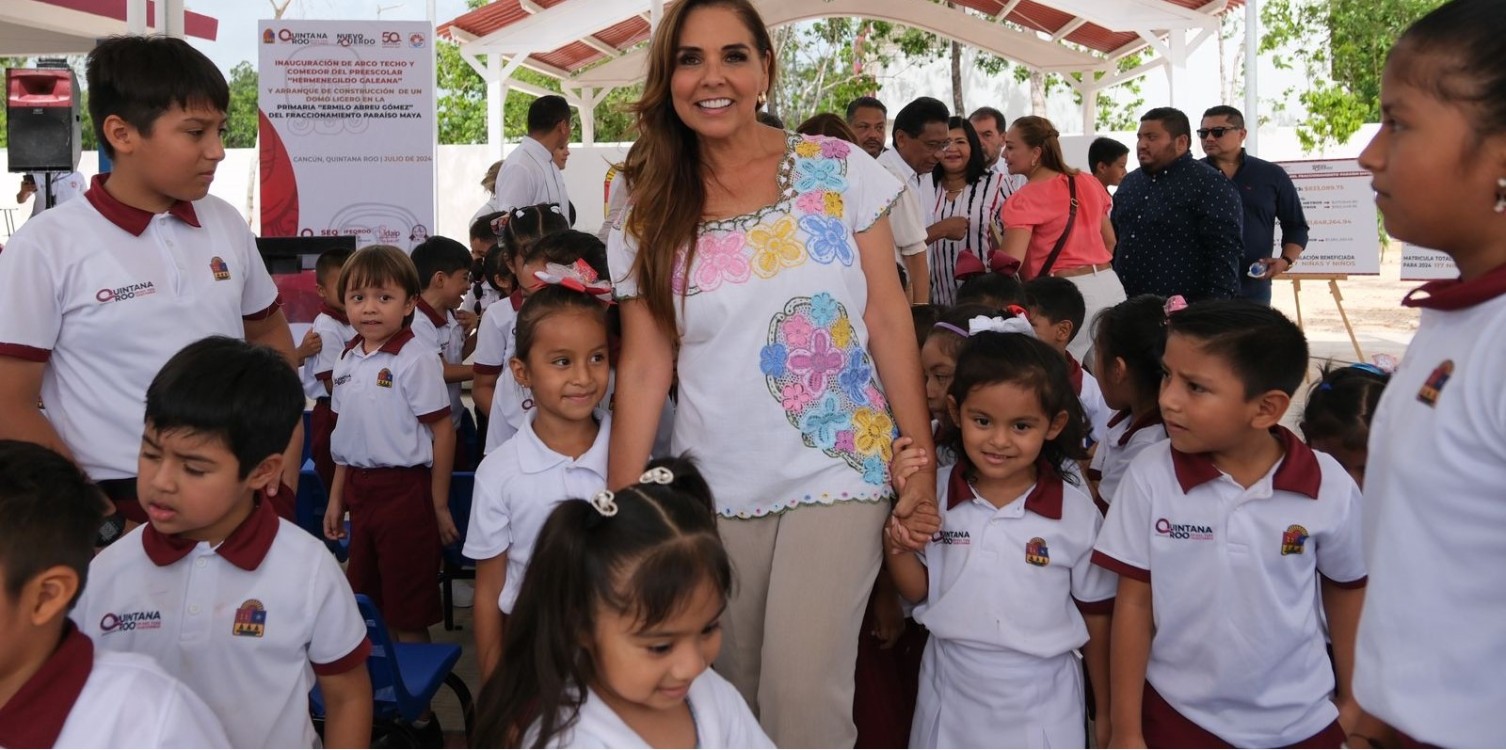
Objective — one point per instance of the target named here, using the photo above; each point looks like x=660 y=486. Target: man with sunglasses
x=1269 y=197
x=1177 y=219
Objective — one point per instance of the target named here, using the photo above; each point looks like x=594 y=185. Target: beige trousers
x=801 y=583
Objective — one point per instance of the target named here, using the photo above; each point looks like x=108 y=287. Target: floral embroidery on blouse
x=827 y=385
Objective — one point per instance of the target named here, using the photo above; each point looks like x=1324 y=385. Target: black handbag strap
x=1066 y=231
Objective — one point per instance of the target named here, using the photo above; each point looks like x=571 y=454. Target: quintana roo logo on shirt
x=384 y=378
x=1293 y=540
x=220 y=269
x=817 y=370
x=250 y=620
x=1432 y=388
x=1037 y=553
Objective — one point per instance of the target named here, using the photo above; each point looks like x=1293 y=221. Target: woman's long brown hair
x=663 y=168
x=1038 y=132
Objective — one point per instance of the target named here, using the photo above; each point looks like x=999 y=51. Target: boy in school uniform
x=114 y=285
x=334 y=332
x=1057 y=309
x=393 y=446
x=246 y=608
x=1220 y=537
x=56 y=688
x=444 y=268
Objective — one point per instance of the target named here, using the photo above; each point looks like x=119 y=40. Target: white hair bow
x=997 y=324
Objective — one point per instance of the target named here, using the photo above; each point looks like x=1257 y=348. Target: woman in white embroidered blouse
x=758 y=266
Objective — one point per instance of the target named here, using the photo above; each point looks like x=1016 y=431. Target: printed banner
x=347 y=130
x=1422 y=264
x=1343 y=234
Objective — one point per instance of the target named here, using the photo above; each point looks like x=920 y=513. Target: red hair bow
x=969 y=265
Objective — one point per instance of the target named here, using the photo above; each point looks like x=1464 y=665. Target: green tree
x=1340 y=46
x=241 y=122
x=461 y=101
x=822 y=66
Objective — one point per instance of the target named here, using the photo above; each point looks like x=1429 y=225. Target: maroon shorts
x=321 y=426
x=394 y=543
x=1164 y=726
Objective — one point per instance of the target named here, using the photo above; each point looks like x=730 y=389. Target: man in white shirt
x=920 y=135
x=529 y=176
x=868 y=117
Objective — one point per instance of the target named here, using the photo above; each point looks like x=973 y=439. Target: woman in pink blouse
x=1037 y=215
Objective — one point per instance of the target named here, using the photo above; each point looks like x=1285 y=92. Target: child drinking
x=615 y=627
x=1007 y=587
x=559 y=452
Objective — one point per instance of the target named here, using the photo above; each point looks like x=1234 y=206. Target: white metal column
x=135 y=16
x=1252 y=77
x=171 y=20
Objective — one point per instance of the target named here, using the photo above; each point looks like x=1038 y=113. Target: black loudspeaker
x=42 y=119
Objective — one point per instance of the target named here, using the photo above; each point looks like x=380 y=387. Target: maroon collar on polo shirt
x=516 y=298
x=1457 y=294
x=1135 y=426
x=393 y=345
x=1045 y=499
x=1074 y=372
x=245 y=548
x=436 y=317
x=130 y=218
x=1298 y=472
x=35 y=715
x=336 y=314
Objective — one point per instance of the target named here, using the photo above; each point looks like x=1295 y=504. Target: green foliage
x=241 y=125
x=823 y=66
x=461 y=100
x=1340 y=46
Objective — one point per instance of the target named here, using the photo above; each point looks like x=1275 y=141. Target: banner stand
x=1333 y=280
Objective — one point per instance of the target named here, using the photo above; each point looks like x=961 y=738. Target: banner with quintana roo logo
x=347 y=130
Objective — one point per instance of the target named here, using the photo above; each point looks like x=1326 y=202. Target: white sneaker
x=464 y=592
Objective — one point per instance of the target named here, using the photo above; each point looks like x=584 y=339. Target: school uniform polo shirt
x=722 y=719
x=385 y=402
x=1091 y=398
x=517 y=486
x=1123 y=439
x=105 y=294
x=246 y=625
x=88 y=697
x=1431 y=652
x=441 y=332
x=496 y=343
x=335 y=332
x=1016 y=577
x=1234 y=575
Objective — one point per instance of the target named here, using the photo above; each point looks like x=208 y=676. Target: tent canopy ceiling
x=562 y=38
x=30 y=28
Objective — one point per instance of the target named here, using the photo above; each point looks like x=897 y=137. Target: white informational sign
x=1343 y=234
x=347 y=130
x=1422 y=264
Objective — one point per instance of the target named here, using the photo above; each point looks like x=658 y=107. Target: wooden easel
x=1333 y=280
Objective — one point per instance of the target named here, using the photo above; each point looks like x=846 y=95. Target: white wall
x=460 y=169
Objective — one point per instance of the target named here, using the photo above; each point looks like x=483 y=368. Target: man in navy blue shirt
x=1269 y=197
x=1178 y=220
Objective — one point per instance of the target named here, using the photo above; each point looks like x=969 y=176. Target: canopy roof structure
x=32 y=28
x=593 y=46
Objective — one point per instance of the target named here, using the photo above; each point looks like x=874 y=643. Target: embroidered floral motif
x=811 y=203
x=834 y=148
x=775 y=247
x=828 y=239
x=819 y=174
x=828 y=389
x=833 y=204
x=808 y=149
x=721 y=258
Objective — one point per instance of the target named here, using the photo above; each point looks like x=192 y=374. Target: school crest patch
x=384 y=378
x=1037 y=553
x=1433 y=386
x=250 y=620
x=220 y=269
x=1293 y=540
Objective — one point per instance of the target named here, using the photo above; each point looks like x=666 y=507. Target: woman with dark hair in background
x=964 y=187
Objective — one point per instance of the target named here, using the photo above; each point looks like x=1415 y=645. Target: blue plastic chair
x=309 y=508
x=456 y=566
x=308 y=430
x=405 y=677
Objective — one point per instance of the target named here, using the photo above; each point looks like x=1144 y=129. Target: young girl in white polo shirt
x=1435 y=521
x=1007 y=587
x=560 y=451
x=617 y=624
x=1128 y=340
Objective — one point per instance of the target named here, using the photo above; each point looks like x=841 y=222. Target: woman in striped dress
x=964 y=187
